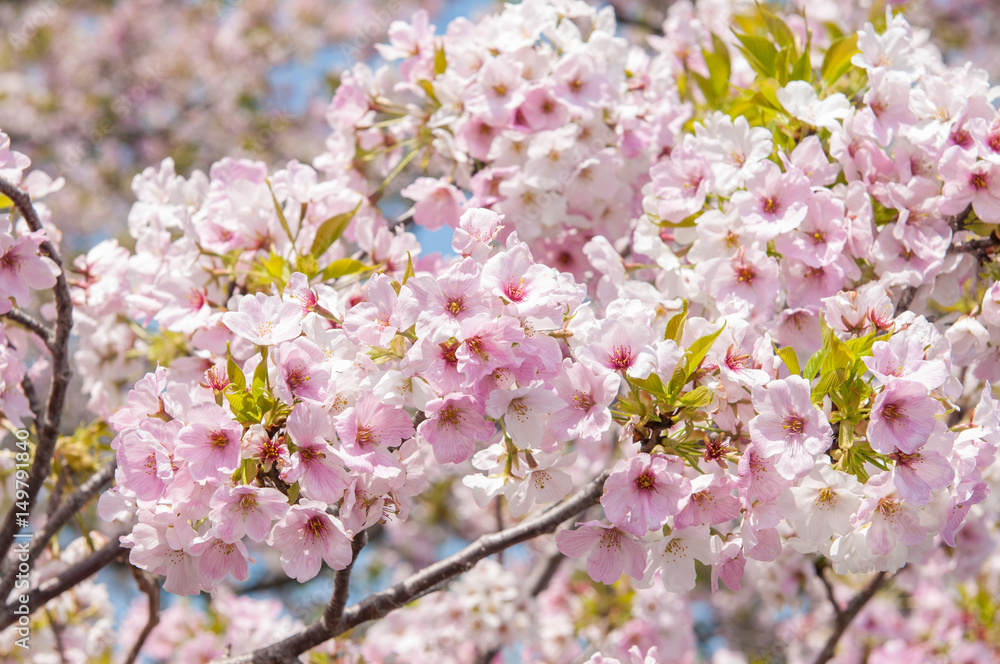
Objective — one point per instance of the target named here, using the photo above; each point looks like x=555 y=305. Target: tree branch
x=29 y=322
x=381 y=603
x=65 y=580
x=845 y=616
x=341 y=583
x=148 y=585
x=58 y=343
x=59 y=518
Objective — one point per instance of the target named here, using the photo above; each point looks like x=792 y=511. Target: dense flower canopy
x=724 y=302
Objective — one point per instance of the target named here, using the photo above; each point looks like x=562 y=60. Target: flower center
x=365 y=436
x=218 y=439
x=978 y=181
x=793 y=424
x=514 y=290
x=455 y=305
x=450 y=416
x=583 y=401
x=645 y=481
x=620 y=358
x=316 y=527
x=770 y=204
x=893 y=412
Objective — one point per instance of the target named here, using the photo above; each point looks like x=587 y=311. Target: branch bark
x=341 y=584
x=845 y=616
x=148 y=585
x=58 y=343
x=381 y=603
x=68 y=578
x=59 y=518
x=29 y=322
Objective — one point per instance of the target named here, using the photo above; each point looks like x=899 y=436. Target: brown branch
x=29 y=322
x=433 y=576
x=341 y=583
x=906 y=299
x=58 y=343
x=68 y=578
x=543 y=573
x=981 y=248
x=60 y=517
x=148 y=585
x=57 y=636
x=845 y=616
x=33 y=403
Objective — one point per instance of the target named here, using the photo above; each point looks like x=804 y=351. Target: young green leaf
x=675 y=326
x=837 y=60
x=331 y=230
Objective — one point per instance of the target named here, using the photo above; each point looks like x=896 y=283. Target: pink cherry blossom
x=367 y=430
x=314 y=465
x=453 y=426
x=773 y=202
x=246 y=510
x=22 y=268
x=265 y=320
x=788 y=426
x=643 y=491
x=610 y=552
x=902 y=418
x=210 y=443
x=307 y=537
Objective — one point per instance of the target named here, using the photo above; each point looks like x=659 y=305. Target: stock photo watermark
x=22 y=540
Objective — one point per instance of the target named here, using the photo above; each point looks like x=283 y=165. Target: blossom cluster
x=754 y=287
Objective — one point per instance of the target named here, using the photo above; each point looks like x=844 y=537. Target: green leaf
x=331 y=230
x=675 y=327
x=342 y=268
x=759 y=52
x=234 y=373
x=440 y=61
x=699 y=349
x=275 y=266
x=719 y=68
x=281 y=213
x=259 y=378
x=839 y=357
x=812 y=366
x=778 y=29
x=781 y=65
x=428 y=88
x=307 y=265
x=696 y=398
x=791 y=360
x=827 y=383
x=5 y=202
x=802 y=70
x=677 y=382
x=837 y=60
x=705 y=85
x=409 y=268
x=653 y=385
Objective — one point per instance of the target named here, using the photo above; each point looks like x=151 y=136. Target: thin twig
x=845 y=616
x=48 y=427
x=34 y=404
x=148 y=585
x=906 y=299
x=68 y=578
x=60 y=517
x=29 y=322
x=341 y=584
x=381 y=603
x=57 y=636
